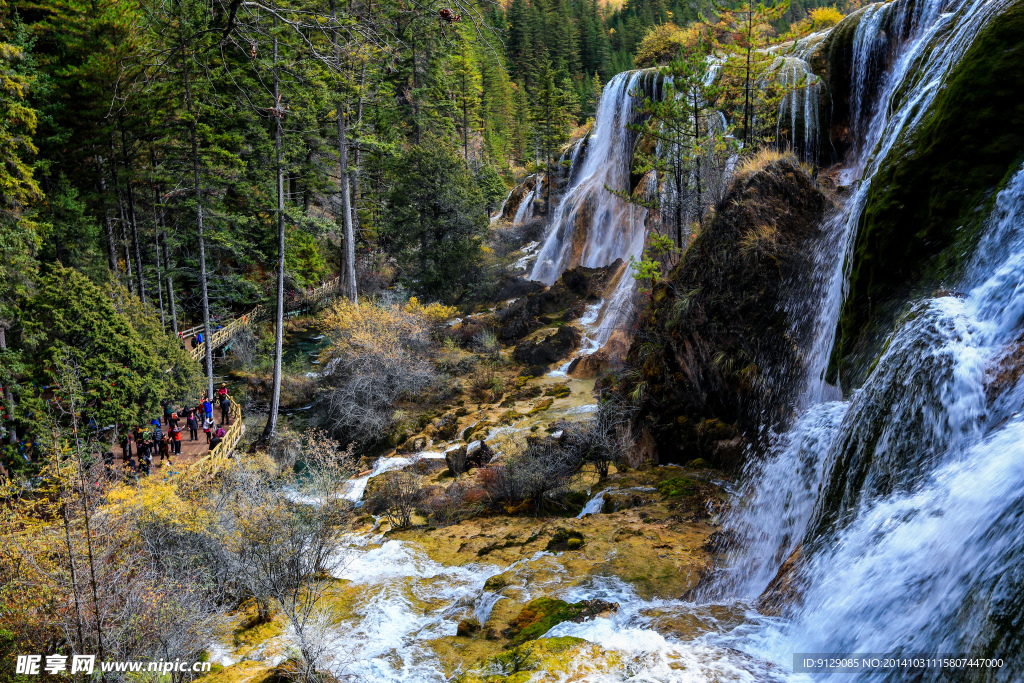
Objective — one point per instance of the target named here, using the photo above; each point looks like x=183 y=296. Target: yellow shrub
x=385 y=331
x=663 y=42
x=154 y=501
x=824 y=17
x=435 y=312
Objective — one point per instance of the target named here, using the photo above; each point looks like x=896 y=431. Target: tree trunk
x=12 y=432
x=122 y=221
x=136 y=248
x=157 y=221
x=275 y=398
x=159 y=273
x=199 y=227
x=170 y=285
x=353 y=167
x=349 y=255
x=108 y=225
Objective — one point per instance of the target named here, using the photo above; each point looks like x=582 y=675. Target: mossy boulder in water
x=552 y=656
x=718 y=349
x=541 y=615
x=932 y=193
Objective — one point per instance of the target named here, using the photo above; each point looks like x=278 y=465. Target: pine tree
x=683 y=126
x=747 y=71
x=554 y=113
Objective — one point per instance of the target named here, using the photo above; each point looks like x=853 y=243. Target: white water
x=906 y=495
x=354 y=488
x=591 y=226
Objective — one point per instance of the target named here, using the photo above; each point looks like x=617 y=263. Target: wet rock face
x=564 y=300
x=543 y=614
x=782 y=595
x=929 y=199
x=548 y=349
x=715 y=355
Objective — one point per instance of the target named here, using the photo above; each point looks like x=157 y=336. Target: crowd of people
x=162 y=437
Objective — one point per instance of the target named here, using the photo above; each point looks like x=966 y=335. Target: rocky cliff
x=716 y=354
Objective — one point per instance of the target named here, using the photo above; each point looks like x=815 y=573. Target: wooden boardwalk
x=198 y=451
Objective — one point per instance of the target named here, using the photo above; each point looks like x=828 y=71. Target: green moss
x=541 y=406
x=519 y=664
x=677 y=486
x=540 y=616
x=930 y=197
x=560 y=391
x=560 y=540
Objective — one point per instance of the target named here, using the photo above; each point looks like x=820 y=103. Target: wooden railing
x=229 y=442
x=225 y=333
x=314 y=297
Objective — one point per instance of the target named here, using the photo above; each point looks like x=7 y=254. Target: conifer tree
x=747 y=70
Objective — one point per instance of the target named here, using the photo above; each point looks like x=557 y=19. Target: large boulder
x=563 y=301
x=456 y=459
x=719 y=347
x=547 y=349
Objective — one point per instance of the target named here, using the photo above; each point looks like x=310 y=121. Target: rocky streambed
x=517 y=598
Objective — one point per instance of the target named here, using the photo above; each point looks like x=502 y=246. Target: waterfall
x=591 y=226
x=907 y=496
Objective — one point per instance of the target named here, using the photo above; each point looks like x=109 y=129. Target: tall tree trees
x=437 y=218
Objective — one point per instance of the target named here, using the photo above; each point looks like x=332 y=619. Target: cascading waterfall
x=904 y=501
x=592 y=226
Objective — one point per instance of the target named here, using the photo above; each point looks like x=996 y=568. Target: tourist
x=220 y=432
x=214 y=442
x=208 y=407
x=158 y=434
x=168 y=411
x=223 y=391
x=126 y=446
x=175 y=440
x=208 y=425
x=143 y=452
x=225 y=409
x=192 y=422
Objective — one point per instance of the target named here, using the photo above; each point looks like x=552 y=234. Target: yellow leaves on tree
x=153 y=501
x=385 y=331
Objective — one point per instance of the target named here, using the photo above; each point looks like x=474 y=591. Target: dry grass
x=759 y=160
x=760 y=238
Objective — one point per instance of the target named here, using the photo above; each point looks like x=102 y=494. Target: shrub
x=534 y=471
x=451 y=504
x=378 y=356
x=395 y=495
x=663 y=42
x=824 y=17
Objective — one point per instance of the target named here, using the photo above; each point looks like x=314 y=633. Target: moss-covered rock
x=933 y=191
x=541 y=615
x=565 y=539
x=718 y=353
x=519 y=664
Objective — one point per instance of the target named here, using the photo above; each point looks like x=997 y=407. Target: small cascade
x=525 y=210
x=501 y=209
x=798 y=111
